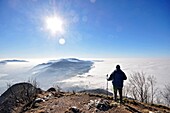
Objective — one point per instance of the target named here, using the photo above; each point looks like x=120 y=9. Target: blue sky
x=92 y=28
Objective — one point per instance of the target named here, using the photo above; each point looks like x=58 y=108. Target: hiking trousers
x=115 y=93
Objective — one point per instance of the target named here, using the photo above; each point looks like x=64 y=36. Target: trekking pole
x=107 y=85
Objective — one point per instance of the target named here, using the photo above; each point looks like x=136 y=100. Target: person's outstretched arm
x=111 y=77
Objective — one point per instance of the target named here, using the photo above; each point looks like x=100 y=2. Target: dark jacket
x=117 y=78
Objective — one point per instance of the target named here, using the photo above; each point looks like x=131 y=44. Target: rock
x=100 y=104
x=39 y=90
x=51 y=89
x=38 y=100
x=17 y=95
x=73 y=109
x=114 y=104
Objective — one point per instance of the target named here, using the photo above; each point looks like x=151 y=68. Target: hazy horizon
x=14 y=72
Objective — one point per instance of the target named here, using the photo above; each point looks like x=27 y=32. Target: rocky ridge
x=56 y=101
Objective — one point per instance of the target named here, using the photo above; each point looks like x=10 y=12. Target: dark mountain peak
x=62 y=68
x=97 y=91
x=14 y=60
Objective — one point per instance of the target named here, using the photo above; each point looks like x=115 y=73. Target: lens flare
x=62 y=41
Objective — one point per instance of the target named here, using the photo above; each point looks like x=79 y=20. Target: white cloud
x=95 y=78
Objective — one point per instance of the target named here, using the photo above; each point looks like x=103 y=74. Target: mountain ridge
x=55 y=101
x=9 y=61
x=63 y=68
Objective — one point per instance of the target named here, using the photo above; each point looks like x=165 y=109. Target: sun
x=54 y=24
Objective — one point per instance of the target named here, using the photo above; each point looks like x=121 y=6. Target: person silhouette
x=117 y=77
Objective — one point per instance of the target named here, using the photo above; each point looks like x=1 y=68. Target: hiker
x=117 y=77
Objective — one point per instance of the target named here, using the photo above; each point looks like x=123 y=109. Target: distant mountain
x=61 y=69
x=97 y=91
x=8 y=61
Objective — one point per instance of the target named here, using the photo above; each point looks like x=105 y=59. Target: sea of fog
x=78 y=74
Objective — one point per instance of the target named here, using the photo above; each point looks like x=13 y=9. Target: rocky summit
x=25 y=98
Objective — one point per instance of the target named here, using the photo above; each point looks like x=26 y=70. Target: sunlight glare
x=54 y=24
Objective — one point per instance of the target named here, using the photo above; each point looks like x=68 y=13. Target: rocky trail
x=63 y=102
x=25 y=98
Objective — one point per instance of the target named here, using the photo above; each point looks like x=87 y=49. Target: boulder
x=17 y=96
